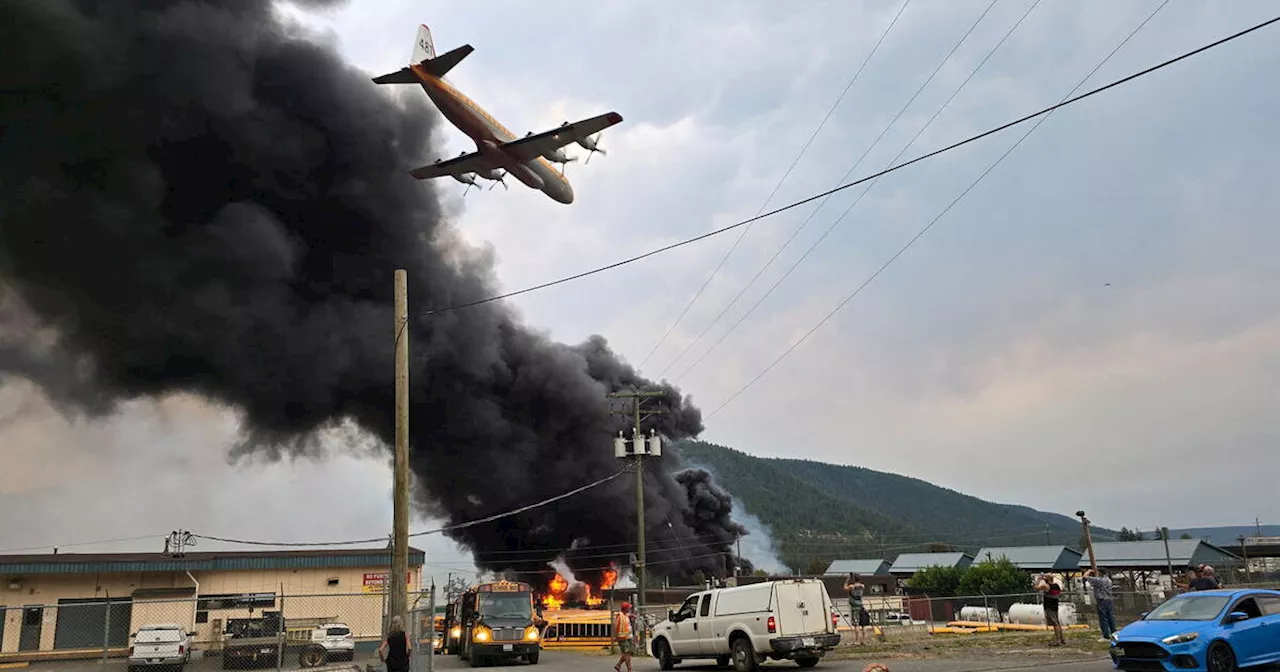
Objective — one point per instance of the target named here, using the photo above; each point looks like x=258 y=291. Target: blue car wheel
x=1221 y=658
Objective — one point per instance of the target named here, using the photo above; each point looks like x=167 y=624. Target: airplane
x=498 y=151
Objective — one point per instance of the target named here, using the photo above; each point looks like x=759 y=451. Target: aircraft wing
x=467 y=163
x=530 y=147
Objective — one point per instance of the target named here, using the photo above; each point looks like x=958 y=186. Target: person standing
x=1052 y=589
x=857 y=611
x=394 y=650
x=1104 y=595
x=622 y=635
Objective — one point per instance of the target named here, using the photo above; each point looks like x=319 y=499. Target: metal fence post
x=431 y=614
x=106 y=630
x=282 y=633
x=986 y=609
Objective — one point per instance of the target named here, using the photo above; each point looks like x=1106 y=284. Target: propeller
x=592 y=145
x=500 y=179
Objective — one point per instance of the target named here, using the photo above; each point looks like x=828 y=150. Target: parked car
x=1213 y=630
x=336 y=639
x=160 y=645
x=790 y=619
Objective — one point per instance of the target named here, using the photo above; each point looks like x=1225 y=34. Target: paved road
x=579 y=662
x=567 y=661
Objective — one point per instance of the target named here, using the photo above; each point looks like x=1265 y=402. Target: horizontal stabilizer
x=436 y=67
x=443 y=63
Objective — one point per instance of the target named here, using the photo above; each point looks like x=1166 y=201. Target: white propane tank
x=1033 y=614
x=655 y=444
x=619 y=446
x=980 y=614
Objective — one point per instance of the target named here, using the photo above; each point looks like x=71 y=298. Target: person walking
x=858 y=616
x=394 y=650
x=1104 y=595
x=622 y=636
x=1052 y=589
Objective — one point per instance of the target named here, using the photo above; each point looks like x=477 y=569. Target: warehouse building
x=64 y=604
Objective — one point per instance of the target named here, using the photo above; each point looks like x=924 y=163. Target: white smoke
x=758 y=546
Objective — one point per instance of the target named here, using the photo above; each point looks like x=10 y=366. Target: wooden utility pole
x=396 y=583
x=1168 y=559
x=637 y=400
x=1244 y=551
x=1088 y=541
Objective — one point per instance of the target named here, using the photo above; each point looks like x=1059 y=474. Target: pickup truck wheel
x=744 y=656
x=722 y=661
x=476 y=661
x=807 y=661
x=662 y=651
x=533 y=657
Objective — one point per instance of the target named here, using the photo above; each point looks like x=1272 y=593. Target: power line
x=446 y=528
x=776 y=187
x=83 y=543
x=805 y=222
x=966 y=191
x=796 y=204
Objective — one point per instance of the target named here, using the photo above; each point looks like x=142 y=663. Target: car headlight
x=480 y=634
x=1115 y=637
x=531 y=634
x=456 y=632
x=1180 y=639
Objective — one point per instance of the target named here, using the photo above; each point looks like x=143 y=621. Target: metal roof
x=861 y=567
x=1151 y=554
x=1034 y=557
x=84 y=563
x=910 y=563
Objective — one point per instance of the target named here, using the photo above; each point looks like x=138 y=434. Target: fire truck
x=492 y=621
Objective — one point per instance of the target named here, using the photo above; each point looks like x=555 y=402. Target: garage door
x=81 y=623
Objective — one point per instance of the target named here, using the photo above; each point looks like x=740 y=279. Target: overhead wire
x=742 y=318
x=446 y=528
x=975 y=183
x=785 y=175
x=83 y=543
x=942 y=150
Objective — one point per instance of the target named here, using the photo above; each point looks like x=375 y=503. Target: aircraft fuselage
x=489 y=134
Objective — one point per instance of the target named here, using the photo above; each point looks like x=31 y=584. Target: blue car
x=1212 y=630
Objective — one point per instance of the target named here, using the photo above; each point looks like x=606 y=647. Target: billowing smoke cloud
x=198 y=200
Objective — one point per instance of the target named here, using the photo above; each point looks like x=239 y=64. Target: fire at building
x=559 y=593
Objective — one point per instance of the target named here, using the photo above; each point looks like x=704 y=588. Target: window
x=689 y=608
x=1270 y=604
x=1189 y=607
x=706 y=605
x=337 y=632
x=1249 y=607
x=236 y=601
x=202 y=617
x=333 y=582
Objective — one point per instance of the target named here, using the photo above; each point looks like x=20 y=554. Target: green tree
x=1126 y=534
x=994 y=577
x=760 y=572
x=937 y=580
x=1186 y=535
x=817 y=566
x=940 y=548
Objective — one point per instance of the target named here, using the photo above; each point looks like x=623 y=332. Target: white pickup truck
x=789 y=619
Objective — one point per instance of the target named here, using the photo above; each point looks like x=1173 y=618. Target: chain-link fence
x=262 y=630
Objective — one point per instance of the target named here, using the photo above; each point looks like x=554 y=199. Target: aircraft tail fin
x=424 y=49
x=424 y=56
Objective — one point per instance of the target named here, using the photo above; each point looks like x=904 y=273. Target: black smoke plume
x=198 y=199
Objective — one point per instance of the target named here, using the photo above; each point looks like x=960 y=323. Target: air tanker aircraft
x=498 y=151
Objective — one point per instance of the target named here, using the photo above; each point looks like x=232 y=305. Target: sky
x=1095 y=325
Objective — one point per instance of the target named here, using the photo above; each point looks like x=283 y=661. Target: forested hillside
x=818 y=512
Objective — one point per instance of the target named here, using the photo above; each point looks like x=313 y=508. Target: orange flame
x=592 y=601
x=610 y=577
x=555 y=592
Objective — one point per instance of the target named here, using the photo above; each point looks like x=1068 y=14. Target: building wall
x=307 y=594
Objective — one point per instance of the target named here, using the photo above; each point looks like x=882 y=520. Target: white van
x=788 y=619
x=160 y=644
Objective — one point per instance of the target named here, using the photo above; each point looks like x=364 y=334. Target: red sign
x=380 y=578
